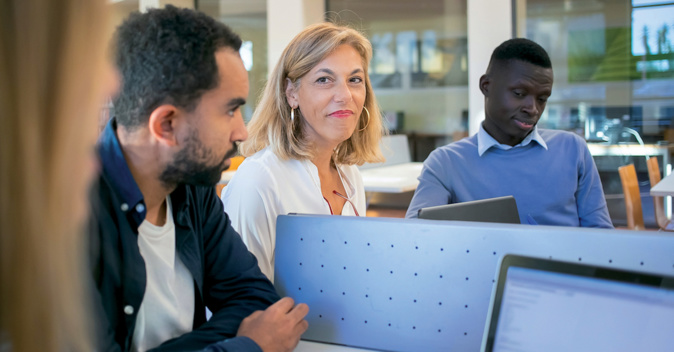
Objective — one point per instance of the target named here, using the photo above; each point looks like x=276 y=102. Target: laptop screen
x=570 y=307
x=500 y=210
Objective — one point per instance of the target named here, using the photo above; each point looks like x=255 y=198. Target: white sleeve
x=250 y=201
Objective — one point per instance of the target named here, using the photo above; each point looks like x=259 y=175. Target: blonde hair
x=49 y=52
x=270 y=124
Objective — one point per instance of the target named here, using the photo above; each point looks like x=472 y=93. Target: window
x=614 y=66
x=419 y=68
x=248 y=18
x=614 y=83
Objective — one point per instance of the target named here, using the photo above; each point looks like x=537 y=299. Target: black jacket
x=226 y=277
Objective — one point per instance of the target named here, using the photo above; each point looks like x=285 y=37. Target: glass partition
x=248 y=18
x=613 y=62
x=419 y=69
x=614 y=67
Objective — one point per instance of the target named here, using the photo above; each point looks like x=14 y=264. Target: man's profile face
x=516 y=93
x=214 y=127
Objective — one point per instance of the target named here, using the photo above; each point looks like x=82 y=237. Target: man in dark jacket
x=164 y=250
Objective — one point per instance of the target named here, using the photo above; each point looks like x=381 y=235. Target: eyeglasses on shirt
x=346 y=199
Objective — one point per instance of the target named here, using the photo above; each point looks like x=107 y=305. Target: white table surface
x=632 y=149
x=392 y=179
x=665 y=187
x=308 y=346
x=387 y=179
x=226 y=177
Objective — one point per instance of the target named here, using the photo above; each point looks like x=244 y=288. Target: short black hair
x=521 y=49
x=167 y=56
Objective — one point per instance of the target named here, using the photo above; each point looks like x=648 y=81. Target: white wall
x=489 y=24
x=146 y=4
x=285 y=19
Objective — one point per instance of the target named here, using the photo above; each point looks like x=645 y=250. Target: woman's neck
x=330 y=180
x=322 y=157
x=323 y=162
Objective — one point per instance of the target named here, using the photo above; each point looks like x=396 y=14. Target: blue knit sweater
x=557 y=186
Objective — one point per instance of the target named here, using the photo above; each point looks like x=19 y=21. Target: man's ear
x=162 y=124
x=291 y=94
x=484 y=84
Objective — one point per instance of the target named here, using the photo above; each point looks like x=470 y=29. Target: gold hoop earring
x=292 y=115
x=368 y=120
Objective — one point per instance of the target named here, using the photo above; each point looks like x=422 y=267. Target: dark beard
x=191 y=166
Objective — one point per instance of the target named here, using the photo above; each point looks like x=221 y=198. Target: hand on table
x=278 y=328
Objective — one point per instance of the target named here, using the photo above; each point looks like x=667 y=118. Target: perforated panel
x=424 y=285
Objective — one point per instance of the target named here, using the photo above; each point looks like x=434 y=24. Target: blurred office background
x=613 y=62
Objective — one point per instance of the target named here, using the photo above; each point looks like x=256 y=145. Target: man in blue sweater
x=550 y=173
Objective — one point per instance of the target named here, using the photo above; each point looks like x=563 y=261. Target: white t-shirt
x=264 y=186
x=167 y=310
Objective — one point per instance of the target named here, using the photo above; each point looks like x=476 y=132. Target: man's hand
x=278 y=328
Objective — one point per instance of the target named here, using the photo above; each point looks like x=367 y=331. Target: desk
x=429 y=248
x=634 y=149
x=665 y=187
x=226 y=177
x=601 y=149
x=308 y=346
x=392 y=179
x=386 y=179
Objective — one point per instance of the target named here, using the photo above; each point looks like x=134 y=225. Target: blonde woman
x=316 y=120
x=51 y=60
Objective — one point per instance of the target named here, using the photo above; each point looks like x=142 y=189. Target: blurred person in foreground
x=164 y=250
x=550 y=173
x=53 y=81
x=317 y=119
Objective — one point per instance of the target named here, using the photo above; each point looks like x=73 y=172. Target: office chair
x=235 y=162
x=658 y=202
x=635 y=215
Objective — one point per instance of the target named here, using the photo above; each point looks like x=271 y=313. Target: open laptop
x=500 y=209
x=546 y=305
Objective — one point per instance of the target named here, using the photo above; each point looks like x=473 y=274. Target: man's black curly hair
x=521 y=49
x=167 y=56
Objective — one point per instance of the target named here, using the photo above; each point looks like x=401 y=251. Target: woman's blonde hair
x=271 y=124
x=51 y=54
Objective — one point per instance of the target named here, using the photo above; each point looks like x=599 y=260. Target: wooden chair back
x=635 y=215
x=234 y=164
x=658 y=203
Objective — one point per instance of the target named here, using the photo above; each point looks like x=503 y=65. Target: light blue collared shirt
x=486 y=141
x=458 y=172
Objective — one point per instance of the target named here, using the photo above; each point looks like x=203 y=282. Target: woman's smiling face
x=330 y=97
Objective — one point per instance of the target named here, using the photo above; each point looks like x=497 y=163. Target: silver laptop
x=500 y=209
x=546 y=305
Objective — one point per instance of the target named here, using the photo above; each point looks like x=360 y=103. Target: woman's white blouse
x=265 y=186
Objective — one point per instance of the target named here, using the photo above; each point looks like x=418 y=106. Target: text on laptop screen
x=547 y=311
